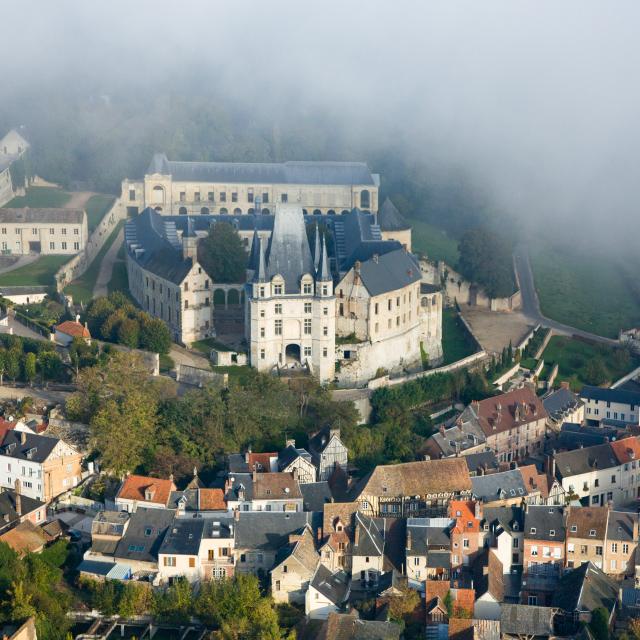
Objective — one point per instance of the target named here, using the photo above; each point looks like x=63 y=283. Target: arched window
x=305 y=212
x=157 y=195
x=345 y=211
x=317 y=212
x=237 y=211
x=331 y=212
x=182 y=211
x=204 y=210
x=223 y=211
x=251 y=211
x=265 y=212
x=365 y=201
x=158 y=208
x=424 y=302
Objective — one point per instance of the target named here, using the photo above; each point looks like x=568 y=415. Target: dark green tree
x=222 y=254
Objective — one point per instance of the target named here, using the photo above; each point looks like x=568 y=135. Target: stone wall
x=200 y=377
x=82 y=261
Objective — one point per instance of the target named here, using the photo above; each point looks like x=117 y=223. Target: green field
x=119 y=278
x=573 y=357
x=433 y=242
x=589 y=292
x=41 y=197
x=40 y=272
x=81 y=289
x=205 y=346
x=96 y=207
x=456 y=341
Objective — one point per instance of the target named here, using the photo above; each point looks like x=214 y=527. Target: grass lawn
x=572 y=357
x=456 y=341
x=96 y=207
x=40 y=272
x=166 y=363
x=205 y=346
x=584 y=290
x=433 y=242
x=82 y=288
x=41 y=197
x=239 y=374
x=528 y=363
x=119 y=278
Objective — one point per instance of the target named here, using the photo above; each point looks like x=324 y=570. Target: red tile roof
x=73 y=329
x=25 y=538
x=503 y=412
x=211 y=500
x=626 y=450
x=135 y=488
x=467 y=520
x=260 y=461
x=5 y=426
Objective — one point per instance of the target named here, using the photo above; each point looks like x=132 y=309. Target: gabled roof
x=573 y=463
x=560 y=402
x=42 y=215
x=621 y=526
x=390 y=219
x=320 y=440
x=8 y=511
x=136 y=488
x=347 y=626
x=585 y=589
x=487 y=461
x=315 y=495
x=504 y=485
x=144 y=535
x=24 y=538
x=626 y=450
x=290 y=454
x=333 y=586
x=276 y=486
x=448 y=475
x=369 y=537
x=421 y=538
x=211 y=500
x=573 y=436
x=22 y=445
x=582 y=521
x=73 y=329
x=463 y=513
x=183 y=537
x=526 y=620
x=301 y=548
x=382 y=273
x=509 y=518
x=264 y=173
x=621 y=396
x=541 y=521
x=264 y=530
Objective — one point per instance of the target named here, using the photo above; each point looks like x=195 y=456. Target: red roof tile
x=135 y=488
x=73 y=329
x=260 y=461
x=626 y=450
x=467 y=520
x=211 y=500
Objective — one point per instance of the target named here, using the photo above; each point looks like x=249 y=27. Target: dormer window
x=552 y=533
x=592 y=533
x=516 y=526
x=277 y=289
x=574 y=528
x=458 y=514
x=532 y=530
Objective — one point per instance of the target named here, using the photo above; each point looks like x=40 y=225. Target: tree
x=176 y=603
x=154 y=334
x=599 y=624
x=222 y=254
x=129 y=333
x=29 y=367
x=98 y=311
x=51 y=366
x=13 y=363
x=595 y=371
x=403 y=605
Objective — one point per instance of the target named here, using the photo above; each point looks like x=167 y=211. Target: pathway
x=180 y=355
x=101 y=287
x=78 y=199
x=22 y=261
x=531 y=303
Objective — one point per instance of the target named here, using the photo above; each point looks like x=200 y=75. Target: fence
x=80 y=263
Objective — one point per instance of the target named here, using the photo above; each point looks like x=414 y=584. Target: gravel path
x=106 y=268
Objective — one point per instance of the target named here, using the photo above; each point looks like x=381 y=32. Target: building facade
x=181 y=188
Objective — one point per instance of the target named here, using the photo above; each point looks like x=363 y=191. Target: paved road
x=106 y=268
x=531 y=304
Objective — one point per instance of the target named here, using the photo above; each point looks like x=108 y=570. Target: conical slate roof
x=390 y=219
x=255 y=252
x=323 y=270
x=289 y=254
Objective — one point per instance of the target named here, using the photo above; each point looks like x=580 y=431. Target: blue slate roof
x=610 y=395
x=390 y=219
x=258 y=173
x=499 y=486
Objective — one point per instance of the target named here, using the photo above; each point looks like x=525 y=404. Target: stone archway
x=292 y=354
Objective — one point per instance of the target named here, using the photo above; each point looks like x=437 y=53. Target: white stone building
x=12 y=147
x=181 y=188
x=613 y=405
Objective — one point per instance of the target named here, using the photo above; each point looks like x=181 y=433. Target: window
x=325 y=330
x=534 y=550
x=613 y=479
x=307 y=288
x=192 y=563
x=284 y=197
x=262 y=354
x=169 y=561
x=76 y=231
x=307 y=326
x=324 y=352
x=571 y=547
x=210 y=196
x=262 y=332
x=533 y=530
x=132 y=194
x=52 y=245
x=532 y=601
x=64 y=246
x=583 y=549
x=324 y=290
x=465 y=543
x=307 y=307
x=223 y=196
x=277 y=290
x=614 y=564
x=592 y=533
x=51 y=231
x=365 y=201
x=515 y=543
x=552 y=532
x=76 y=246
x=148 y=531
x=234 y=196
x=574 y=528
x=598 y=550
x=278 y=309
x=34 y=231
x=183 y=196
x=64 y=232
x=307 y=352
x=614 y=547
x=278 y=327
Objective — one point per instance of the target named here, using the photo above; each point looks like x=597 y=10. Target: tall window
x=277 y=290
x=307 y=288
x=307 y=326
x=284 y=197
x=132 y=194
x=365 y=201
x=278 y=327
x=278 y=309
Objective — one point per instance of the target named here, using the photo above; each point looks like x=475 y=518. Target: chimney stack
x=18 y=498
x=290 y=442
x=23 y=437
x=236 y=515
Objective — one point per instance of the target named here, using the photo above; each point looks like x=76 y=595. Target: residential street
x=531 y=304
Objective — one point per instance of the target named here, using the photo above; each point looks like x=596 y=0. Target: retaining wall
x=75 y=267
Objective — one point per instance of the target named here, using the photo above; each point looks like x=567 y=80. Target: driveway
x=106 y=268
x=531 y=303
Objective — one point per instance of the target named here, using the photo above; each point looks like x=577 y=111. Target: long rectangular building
x=180 y=188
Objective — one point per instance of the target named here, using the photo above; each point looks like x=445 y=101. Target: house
x=465 y=438
x=294 y=568
x=428 y=549
x=513 y=423
x=259 y=536
x=178 y=555
x=328 y=452
x=473 y=629
x=216 y=552
x=299 y=459
x=368 y=551
x=249 y=462
x=503 y=528
x=107 y=529
x=24 y=538
x=338 y=532
x=466 y=538
x=621 y=544
x=144 y=491
x=327 y=593
x=25 y=631
x=489 y=586
x=16 y=508
x=141 y=541
x=189 y=502
x=348 y=626
x=315 y=495
x=591 y=474
x=482 y=463
x=440 y=596
x=610 y=404
x=586 y=535
x=580 y=592
x=503 y=488
x=13 y=144
x=542 y=488
x=562 y=406
x=238 y=491
x=544 y=552
x=526 y=621
x=45 y=466
x=276 y=492
x=627 y=452
x=413 y=489
x=66 y=331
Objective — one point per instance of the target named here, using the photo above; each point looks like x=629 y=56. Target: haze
x=534 y=104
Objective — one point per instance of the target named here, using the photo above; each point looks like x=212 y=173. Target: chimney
x=427 y=456
x=171 y=477
x=478 y=510
x=409 y=540
x=236 y=515
x=290 y=443
x=77 y=317
x=23 y=437
x=294 y=473
x=356 y=536
x=18 y=498
x=189 y=247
